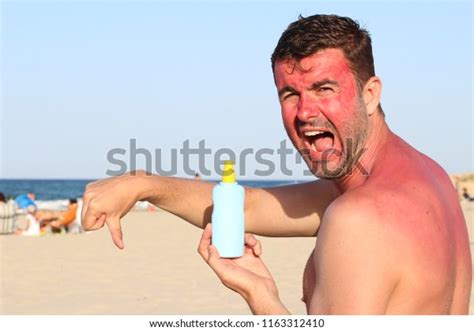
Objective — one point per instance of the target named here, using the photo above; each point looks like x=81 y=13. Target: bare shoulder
x=357 y=262
x=414 y=236
x=384 y=222
x=360 y=207
x=402 y=235
x=392 y=214
x=361 y=227
x=361 y=218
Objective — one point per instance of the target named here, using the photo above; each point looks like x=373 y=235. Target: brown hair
x=2 y=197
x=309 y=35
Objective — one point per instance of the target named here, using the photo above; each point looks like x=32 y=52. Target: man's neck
x=362 y=169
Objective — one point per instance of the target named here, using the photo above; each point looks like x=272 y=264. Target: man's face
x=322 y=111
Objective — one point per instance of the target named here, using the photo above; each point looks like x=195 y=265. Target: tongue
x=323 y=143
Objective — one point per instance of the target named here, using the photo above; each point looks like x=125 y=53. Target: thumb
x=113 y=223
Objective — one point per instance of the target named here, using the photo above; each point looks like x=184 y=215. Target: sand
x=159 y=272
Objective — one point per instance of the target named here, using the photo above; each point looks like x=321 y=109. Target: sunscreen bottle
x=228 y=223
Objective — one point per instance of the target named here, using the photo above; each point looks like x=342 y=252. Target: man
x=391 y=235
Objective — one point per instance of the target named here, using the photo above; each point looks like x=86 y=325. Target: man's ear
x=371 y=94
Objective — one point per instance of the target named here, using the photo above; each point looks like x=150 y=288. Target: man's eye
x=325 y=89
x=288 y=95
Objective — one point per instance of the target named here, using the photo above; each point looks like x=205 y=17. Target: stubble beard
x=356 y=133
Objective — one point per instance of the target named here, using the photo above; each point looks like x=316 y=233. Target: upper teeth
x=312 y=133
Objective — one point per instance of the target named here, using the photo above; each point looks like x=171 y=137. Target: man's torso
x=426 y=229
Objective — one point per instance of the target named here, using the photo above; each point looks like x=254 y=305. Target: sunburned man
x=391 y=236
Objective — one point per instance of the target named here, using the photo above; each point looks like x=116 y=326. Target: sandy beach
x=159 y=272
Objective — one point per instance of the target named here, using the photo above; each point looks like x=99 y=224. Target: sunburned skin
x=424 y=234
x=395 y=241
x=391 y=236
x=320 y=92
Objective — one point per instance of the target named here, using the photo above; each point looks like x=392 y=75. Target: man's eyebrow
x=320 y=83
x=286 y=89
x=314 y=86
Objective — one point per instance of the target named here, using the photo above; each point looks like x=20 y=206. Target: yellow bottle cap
x=228 y=176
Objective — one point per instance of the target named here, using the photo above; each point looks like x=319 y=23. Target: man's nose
x=307 y=109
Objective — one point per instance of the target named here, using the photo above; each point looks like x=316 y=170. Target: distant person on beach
x=7 y=216
x=33 y=228
x=58 y=221
x=67 y=218
x=466 y=195
x=391 y=235
x=197 y=176
x=23 y=201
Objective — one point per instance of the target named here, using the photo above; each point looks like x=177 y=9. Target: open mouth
x=319 y=142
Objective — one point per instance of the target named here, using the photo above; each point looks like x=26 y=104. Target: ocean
x=54 y=193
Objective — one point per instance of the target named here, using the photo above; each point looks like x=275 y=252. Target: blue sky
x=79 y=79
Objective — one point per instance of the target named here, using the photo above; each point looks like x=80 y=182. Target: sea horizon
x=47 y=189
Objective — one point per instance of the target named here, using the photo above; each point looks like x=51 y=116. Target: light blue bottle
x=228 y=222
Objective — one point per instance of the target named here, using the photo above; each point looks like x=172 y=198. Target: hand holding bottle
x=246 y=275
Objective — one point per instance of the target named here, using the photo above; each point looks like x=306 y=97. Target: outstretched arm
x=283 y=211
x=293 y=210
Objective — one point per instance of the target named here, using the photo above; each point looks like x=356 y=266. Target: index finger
x=205 y=242
x=115 y=230
x=253 y=243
